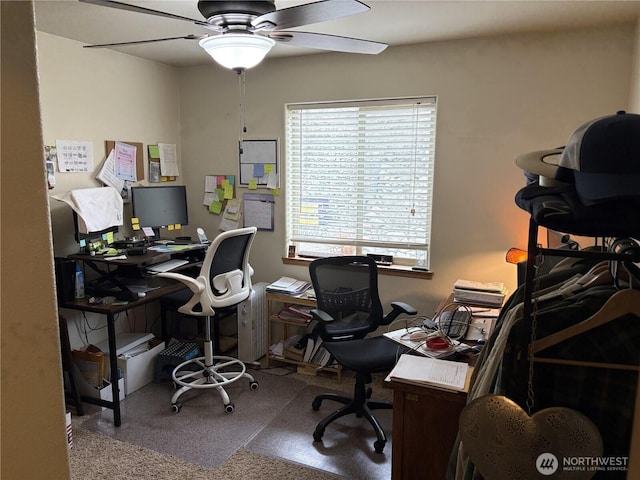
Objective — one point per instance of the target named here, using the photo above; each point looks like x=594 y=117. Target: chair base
x=211 y=372
x=360 y=405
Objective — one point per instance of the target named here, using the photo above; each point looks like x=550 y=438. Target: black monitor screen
x=160 y=206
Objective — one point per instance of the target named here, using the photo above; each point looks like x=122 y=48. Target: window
x=360 y=177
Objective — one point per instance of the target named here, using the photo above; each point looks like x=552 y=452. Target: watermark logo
x=547 y=464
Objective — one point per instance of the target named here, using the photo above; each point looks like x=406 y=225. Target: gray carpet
x=347 y=445
x=202 y=432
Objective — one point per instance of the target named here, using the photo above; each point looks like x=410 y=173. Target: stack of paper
x=430 y=371
x=288 y=286
x=491 y=294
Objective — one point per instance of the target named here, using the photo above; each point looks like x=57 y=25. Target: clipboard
x=258 y=210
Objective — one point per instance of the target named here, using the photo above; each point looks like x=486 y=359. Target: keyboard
x=454 y=324
x=167 y=266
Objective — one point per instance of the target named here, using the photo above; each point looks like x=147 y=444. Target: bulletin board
x=111 y=144
x=258 y=210
x=258 y=159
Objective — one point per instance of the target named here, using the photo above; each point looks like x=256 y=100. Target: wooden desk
x=133 y=263
x=425 y=427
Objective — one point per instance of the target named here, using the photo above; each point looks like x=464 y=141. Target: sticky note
x=228 y=192
x=253 y=184
x=170 y=227
x=83 y=243
x=136 y=226
x=178 y=226
x=215 y=207
x=258 y=170
x=154 y=151
x=268 y=168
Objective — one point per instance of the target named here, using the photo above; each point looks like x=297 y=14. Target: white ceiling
x=396 y=22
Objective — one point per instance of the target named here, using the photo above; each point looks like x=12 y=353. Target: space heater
x=252 y=325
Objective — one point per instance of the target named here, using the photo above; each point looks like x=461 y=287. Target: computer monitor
x=159 y=207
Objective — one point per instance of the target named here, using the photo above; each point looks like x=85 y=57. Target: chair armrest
x=192 y=283
x=398 y=308
x=403 y=308
x=196 y=285
x=318 y=319
x=321 y=315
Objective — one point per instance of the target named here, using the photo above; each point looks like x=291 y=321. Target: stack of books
x=315 y=353
x=295 y=314
x=490 y=294
x=288 y=286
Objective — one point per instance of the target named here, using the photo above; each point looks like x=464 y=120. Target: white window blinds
x=360 y=177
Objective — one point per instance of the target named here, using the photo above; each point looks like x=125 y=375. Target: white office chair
x=224 y=280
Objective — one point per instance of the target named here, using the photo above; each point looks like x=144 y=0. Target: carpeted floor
x=268 y=436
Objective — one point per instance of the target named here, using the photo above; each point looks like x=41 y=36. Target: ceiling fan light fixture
x=237 y=51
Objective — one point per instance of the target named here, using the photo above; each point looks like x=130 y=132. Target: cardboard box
x=138 y=369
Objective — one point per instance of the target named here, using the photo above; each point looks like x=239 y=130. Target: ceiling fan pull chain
x=241 y=88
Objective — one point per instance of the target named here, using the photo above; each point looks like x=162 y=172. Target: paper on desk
x=116 y=257
x=430 y=371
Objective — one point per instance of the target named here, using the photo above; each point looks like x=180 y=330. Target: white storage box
x=137 y=368
x=103 y=393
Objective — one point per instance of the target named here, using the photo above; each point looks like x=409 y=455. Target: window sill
x=393 y=270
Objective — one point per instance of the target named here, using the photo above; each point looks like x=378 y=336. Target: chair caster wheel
x=229 y=407
x=315 y=405
x=317 y=436
x=378 y=446
x=253 y=385
x=176 y=407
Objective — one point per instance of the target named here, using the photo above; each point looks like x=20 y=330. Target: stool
x=171 y=357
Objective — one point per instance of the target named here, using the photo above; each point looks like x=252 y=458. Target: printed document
x=430 y=371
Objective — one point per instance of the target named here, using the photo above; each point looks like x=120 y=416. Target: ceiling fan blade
x=148 y=11
x=137 y=42
x=308 y=13
x=334 y=43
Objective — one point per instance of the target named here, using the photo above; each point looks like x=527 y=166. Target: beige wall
x=33 y=423
x=497 y=98
x=97 y=95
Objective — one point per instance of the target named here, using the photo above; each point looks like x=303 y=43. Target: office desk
x=110 y=272
x=425 y=427
x=166 y=286
x=133 y=266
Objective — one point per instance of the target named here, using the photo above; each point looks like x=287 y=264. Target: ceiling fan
x=245 y=30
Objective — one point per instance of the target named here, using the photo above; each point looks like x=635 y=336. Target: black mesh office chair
x=349 y=308
x=224 y=280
